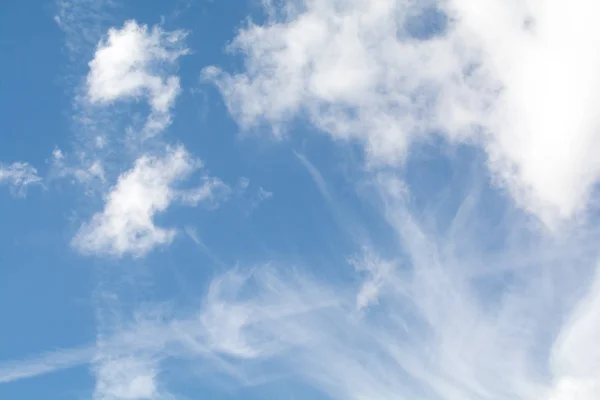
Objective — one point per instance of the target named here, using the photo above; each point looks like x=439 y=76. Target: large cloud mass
x=517 y=78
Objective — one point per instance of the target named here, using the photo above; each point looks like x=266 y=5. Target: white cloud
x=517 y=78
x=421 y=331
x=211 y=192
x=131 y=63
x=575 y=361
x=125 y=378
x=380 y=273
x=83 y=23
x=18 y=176
x=126 y=224
x=84 y=171
x=44 y=364
x=261 y=196
x=315 y=175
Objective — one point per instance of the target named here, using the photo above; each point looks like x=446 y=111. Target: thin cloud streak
x=45 y=364
x=347 y=222
x=316 y=176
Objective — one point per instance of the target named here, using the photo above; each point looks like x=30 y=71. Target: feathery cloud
x=18 y=176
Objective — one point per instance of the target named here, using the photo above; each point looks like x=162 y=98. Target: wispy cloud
x=315 y=175
x=44 y=364
x=125 y=378
x=255 y=200
x=347 y=222
x=18 y=176
x=83 y=23
x=212 y=192
x=261 y=196
x=83 y=171
x=380 y=275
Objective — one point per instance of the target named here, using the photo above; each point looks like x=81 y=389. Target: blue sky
x=291 y=199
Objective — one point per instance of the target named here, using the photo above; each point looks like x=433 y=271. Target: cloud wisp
x=130 y=64
x=18 y=176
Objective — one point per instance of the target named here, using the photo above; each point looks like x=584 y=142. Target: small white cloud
x=126 y=225
x=57 y=154
x=18 y=176
x=131 y=63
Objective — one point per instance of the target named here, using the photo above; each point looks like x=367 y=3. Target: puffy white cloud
x=132 y=63
x=18 y=176
x=126 y=224
x=517 y=78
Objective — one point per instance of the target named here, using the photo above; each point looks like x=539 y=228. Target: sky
x=292 y=199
